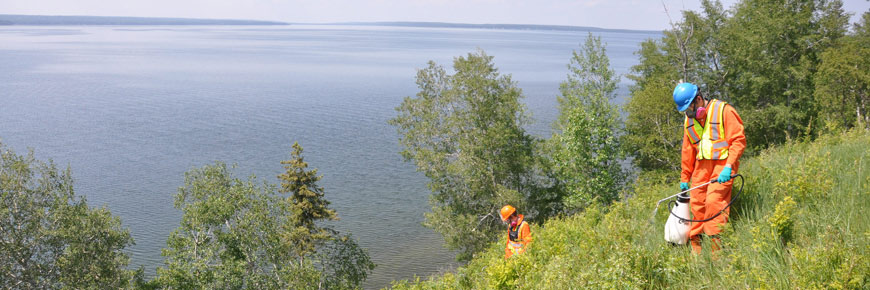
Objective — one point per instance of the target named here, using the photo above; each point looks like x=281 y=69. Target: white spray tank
x=676 y=230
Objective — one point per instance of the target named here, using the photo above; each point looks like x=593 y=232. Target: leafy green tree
x=842 y=88
x=344 y=264
x=50 y=238
x=465 y=133
x=772 y=51
x=688 y=52
x=843 y=85
x=242 y=234
x=586 y=149
x=703 y=47
x=307 y=205
x=653 y=126
x=862 y=28
x=228 y=238
x=693 y=45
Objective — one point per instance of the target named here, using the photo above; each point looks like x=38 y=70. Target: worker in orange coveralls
x=519 y=232
x=713 y=142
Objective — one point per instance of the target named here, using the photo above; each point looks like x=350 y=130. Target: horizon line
x=6 y=21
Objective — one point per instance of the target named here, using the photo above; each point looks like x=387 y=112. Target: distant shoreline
x=47 y=20
x=489 y=26
x=50 y=20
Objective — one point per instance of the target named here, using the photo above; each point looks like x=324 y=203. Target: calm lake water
x=130 y=109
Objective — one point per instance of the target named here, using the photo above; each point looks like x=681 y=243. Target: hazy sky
x=629 y=14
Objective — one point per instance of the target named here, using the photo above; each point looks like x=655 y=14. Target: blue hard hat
x=684 y=94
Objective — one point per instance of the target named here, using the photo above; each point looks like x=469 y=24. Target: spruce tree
x=308 y=206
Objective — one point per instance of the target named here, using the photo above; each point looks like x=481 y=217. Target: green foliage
x=238 y=234
x=50 y=238
x=782 y=220
x=690 y=51
x=842 y=88
x=774 y=60
x=694 y=47
x=307 y=205
x=862 y=28
x=229 y=236
x=774 y=240
x=832 y=264
x=799 y=185
x=772 y=50
x=586 y=150
x=653 y=125
x=465 y=133
x=344 y=263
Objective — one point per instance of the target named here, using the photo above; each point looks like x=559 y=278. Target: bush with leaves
x=465 y=133
x=772 y=52
x=242 y=234
x=50 y=238
x=586 y=149
x=842 y=84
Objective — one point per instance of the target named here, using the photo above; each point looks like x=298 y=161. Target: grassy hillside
x=799 y=224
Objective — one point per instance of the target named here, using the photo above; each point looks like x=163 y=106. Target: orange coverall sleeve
x=687 y=158
x=736 y=138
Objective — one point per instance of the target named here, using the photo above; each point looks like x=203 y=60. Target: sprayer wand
x=675 y=195
x=739 y=192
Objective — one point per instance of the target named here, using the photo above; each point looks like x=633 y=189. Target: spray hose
x=672 y=203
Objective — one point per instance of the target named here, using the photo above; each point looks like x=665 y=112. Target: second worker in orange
x=519 y=233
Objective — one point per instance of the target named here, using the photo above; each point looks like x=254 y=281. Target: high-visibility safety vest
x=712 y=143
x=515 y=243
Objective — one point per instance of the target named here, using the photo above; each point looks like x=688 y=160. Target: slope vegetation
x=800 y=223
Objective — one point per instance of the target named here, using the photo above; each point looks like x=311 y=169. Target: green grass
x=799 y=224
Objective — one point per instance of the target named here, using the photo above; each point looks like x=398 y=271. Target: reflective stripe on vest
x=712 y=143
x=691 y=130
x=516 y=246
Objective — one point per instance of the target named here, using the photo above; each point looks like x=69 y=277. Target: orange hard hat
x=507 y=211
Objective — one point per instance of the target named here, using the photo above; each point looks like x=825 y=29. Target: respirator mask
x=697 y=114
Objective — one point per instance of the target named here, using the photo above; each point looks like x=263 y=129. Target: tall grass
x=801 y=223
